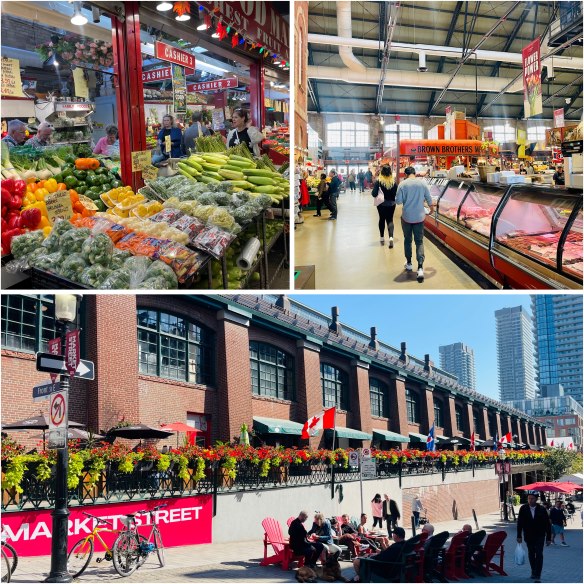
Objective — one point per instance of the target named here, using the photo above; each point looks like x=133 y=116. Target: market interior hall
x=475 y=111
x=145 y=145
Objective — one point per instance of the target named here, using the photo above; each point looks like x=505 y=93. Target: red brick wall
x=445 y=502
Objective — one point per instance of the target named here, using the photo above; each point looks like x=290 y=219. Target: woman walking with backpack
x=386 y=186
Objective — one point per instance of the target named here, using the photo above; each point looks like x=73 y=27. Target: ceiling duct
x=345 y=29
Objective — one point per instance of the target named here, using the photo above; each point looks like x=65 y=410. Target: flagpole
x=332 y=463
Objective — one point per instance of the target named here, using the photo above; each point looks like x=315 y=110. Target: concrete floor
x=347 y=254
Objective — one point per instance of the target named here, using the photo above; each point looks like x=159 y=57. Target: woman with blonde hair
x=323 y=531
x=386 y=184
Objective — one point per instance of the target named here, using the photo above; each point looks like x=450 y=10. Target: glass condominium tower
x=557 y=329
x=515 y=364
x=458 y=359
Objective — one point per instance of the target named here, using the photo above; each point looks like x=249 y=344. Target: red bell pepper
x=19 y=188
x=8 y=184
x=30 y=218
x=6 y=196
x=6 y=239
x=16 y=202
x=14 y=221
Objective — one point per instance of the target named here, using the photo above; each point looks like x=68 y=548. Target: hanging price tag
x=167 y=144
x=141 y=159
x=59 y=206
x=149 y=172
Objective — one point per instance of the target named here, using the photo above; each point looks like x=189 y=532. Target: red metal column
x=129 y=91
x=256 y=90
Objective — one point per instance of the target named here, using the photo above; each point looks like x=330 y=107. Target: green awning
x=349 y=433
x=442 y=438
x=276 y=426
x=390 y=436
x=414 y=437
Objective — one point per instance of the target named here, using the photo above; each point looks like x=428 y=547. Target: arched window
x=174 y=347
x=28 y=322
x=438 y=414
x=378 y=393
x=347 y=135
x=335 y=387
x=272 y=371
x=406 y=132
x=413 y=407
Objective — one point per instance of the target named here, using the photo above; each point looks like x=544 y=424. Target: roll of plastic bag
x=248 y=254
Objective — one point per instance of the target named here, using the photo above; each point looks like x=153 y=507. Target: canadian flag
x=322 y=421
x=472 y=441
x=506 y=439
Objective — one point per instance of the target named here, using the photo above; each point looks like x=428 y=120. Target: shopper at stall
x=16 y=133
x=43 y=136
x=322 y=188
x=332 y=194
x=352 y=180
x=194 y=131
x=168 y=129
x=412 y=193
x=558 y=178
x=385 y=209
x=530 y=169
x=361 y=181
x=244 y=132
x=105 y=145
x=368 y=179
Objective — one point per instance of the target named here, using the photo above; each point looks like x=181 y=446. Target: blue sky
x=425 y=322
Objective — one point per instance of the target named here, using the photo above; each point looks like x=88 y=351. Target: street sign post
x=365 y=453
x=44 y=390
x=72 y=355
x=57 y=438
x=56 y=364
x=58 y=410
x=353 y=458
x=368 y=469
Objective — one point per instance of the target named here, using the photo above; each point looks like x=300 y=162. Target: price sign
x=167 y=144
x=141 y=159
x=61 y=114
x=59 y=206
x=149 y=172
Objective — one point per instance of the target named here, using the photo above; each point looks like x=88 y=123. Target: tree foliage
x=560 y=462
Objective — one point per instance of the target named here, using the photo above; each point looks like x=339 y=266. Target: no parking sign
x=353 y=458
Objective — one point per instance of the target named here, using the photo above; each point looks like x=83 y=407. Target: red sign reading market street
x=257 y=21
x=166 y=52
x=216 y=85
x=156 y=75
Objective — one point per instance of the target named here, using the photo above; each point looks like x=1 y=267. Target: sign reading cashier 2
x=256 y=20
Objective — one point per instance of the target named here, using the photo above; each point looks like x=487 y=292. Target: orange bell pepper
x=61 y=187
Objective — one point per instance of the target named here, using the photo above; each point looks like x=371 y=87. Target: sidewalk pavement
x=239 y=561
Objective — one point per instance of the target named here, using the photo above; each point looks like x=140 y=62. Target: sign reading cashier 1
x=257 y=20
x=169 y=53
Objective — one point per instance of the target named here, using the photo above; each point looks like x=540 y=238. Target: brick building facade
x=164 y=358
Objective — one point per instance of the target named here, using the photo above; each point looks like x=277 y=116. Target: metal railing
x=148 y=483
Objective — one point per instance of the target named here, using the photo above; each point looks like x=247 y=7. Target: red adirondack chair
x=454 y=557
x=493 y=547
x=418 y=560
x=274 y=537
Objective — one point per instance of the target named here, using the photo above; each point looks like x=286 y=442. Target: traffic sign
x=366 y=453
x=368 y=469
x=58 y=438
x=58 y=410
x=56 y=364
x=44 y=390
x=72 y=355
x=353 y=458
x=54 y=349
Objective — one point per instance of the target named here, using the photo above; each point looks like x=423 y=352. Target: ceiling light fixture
x=215 y=35
x=78 y=19
x=182 y=17
x=164 y=6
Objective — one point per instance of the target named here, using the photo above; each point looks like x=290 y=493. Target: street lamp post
x=66 y=307
x=502 y=457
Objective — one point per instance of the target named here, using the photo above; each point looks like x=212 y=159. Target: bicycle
x=81 y=553
x=131 y=549
x=9 y=552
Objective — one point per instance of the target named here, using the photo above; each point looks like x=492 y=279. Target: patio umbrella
x=548 y=487
x=179 y=427
x=76 y=434
x=38 y=422
x=139 y=431
x=576 y=478
x=570 y=485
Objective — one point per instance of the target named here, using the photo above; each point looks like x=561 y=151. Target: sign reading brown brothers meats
x=256 y=20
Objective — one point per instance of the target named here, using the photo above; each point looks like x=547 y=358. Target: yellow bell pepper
x=47 y=231
x=43 y=208
x=40 y=194
x=51 y=185
x=29 y=199
x=44 y=223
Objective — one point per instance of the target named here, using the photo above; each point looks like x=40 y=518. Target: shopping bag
x=519 y=555
x=379 y=199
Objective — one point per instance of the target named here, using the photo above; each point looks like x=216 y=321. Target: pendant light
x=164 y=6
x=78 y=19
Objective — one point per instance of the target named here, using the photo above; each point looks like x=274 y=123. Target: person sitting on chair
x=391 y=554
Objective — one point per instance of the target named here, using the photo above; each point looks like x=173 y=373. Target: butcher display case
x=519 y=236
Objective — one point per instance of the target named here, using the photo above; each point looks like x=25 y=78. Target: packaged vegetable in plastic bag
x=239 y=198
x=142 y=244
x=207 y=199
x=223 y=219
x=72 y=241
x=158 y=283
x=94 y=275
x=73 y=266
x=49 y=262
x=203 y=212
x=214 y=241
x=118 y=258
x=117 y=280
x=160 y=270
x=245 y=213
x=184 y=262
x=137 y=264
x=23 y=245
x=52 y=241
x=222 y=198
x=167 y=215
x=98 y=249
x=189 y=225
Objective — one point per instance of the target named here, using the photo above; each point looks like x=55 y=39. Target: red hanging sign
x=215 y=85
x=72 y=353
x=169 y=53
x=532 y=101
x=54 y=347
x=156 y=75
x=559 y=118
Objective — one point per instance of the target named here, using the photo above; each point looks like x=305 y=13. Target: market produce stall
x=519 y=236
x=210 y=226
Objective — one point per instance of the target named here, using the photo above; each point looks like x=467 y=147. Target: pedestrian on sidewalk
x=386 y=208
x=390 y=513
x=411 y=193
x=322 y=187
x=377 y=510
x=534 y=524
x=417 y=508
x=361 y=181
x=352 y=180
x=558 y=519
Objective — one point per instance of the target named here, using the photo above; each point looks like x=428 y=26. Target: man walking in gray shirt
x=411 y=193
